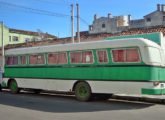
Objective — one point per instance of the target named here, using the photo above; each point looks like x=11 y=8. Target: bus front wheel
x=83 y=91
x=14 y=87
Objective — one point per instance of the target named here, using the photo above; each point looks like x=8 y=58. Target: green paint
x=89 y=73
x=13 y=86
x=4 y=84
x=156 y=37
x=82 y=91
x=153 y=91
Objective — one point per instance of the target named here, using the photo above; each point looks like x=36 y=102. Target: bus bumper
x=153 y=91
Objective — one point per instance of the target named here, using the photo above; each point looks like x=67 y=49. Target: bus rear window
x=81 y=57
x=126 y=55
x=57 y=58
x=12 y=60
x=37 y=59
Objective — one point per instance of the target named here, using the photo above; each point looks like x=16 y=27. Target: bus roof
x=156 y=37
x=129 y=42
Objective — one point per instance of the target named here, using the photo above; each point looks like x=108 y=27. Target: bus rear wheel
x=83 y=91
x=14 y=87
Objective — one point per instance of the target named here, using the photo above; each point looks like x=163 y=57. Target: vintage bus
x=117 y=66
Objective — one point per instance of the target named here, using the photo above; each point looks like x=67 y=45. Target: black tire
x=36 y=91
x=101 y=96
x=83 y=91
x=14 y=87
x=0 y=87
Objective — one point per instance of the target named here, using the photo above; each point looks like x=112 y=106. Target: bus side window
x=23 y=60
x=37 y=59
x=12 y=60
x=81 y=57
x=102 y=56
x=126 y=55
x=57 y=58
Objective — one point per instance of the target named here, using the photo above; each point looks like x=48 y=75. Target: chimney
x=90 y=28
x=109 y=15
x=163 y=8
x=129 y=18
x=95 y=17
x=158 y=7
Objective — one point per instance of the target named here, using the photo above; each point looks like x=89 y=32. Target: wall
x=5 y=35
x=156 y=18
x=21 y=38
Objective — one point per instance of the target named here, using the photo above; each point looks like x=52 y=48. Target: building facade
x=121 y=23
x=15 y=36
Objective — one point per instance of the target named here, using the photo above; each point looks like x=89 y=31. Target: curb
x=140 y=98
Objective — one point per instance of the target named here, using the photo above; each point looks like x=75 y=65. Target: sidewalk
x=142 y=98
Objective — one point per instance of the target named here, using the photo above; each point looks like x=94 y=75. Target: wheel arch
x=9 y=80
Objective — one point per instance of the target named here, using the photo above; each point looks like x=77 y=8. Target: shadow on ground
x=64 y=103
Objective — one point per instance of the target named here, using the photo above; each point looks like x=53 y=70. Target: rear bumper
x=153 y=91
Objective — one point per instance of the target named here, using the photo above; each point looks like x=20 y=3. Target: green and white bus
x=119 y=66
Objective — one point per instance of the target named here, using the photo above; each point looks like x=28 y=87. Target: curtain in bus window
x=132 y=55
x=32 y=59
x=37 y=59
x=102 y=56
x=23 y=60
x=87 y=57
x=40 y=59
x=76 y=57
x=9 y=60
x=118 y=55
x=52 y=58
x=15 y=60
x=62 y=58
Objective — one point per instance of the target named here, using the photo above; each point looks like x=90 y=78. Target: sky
x=53 y=16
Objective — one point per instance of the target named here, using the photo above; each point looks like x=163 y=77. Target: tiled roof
x=30 y=33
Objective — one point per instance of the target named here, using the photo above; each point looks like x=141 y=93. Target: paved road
x=30 y=106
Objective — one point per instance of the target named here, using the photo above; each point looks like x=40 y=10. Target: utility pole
x=72 y=21
x=78 y=31
x=2 y=50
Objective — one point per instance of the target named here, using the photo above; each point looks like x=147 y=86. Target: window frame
x=81 y=56
x=103 y=26
x=125 y=55
x=15 y=37
x=36 y=54
x=12 y=64
x=98 y=56
x=57 y=58
x=20 y=60
x=163 y=18
x=148 y=19
x=10 y=39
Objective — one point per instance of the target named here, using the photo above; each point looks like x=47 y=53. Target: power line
x=37 y=11
x=51 y=2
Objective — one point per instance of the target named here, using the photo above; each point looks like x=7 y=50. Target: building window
x=27 y=40
x=23 y=60
x=12 y=60
x=148 y=19
x=81 y=57
x=37 y=59
x=102 y=56
x=126 y=55
x=9 y=38
x=163 y=18
x=15 y=38
x=103 y=25
x=57 y=58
